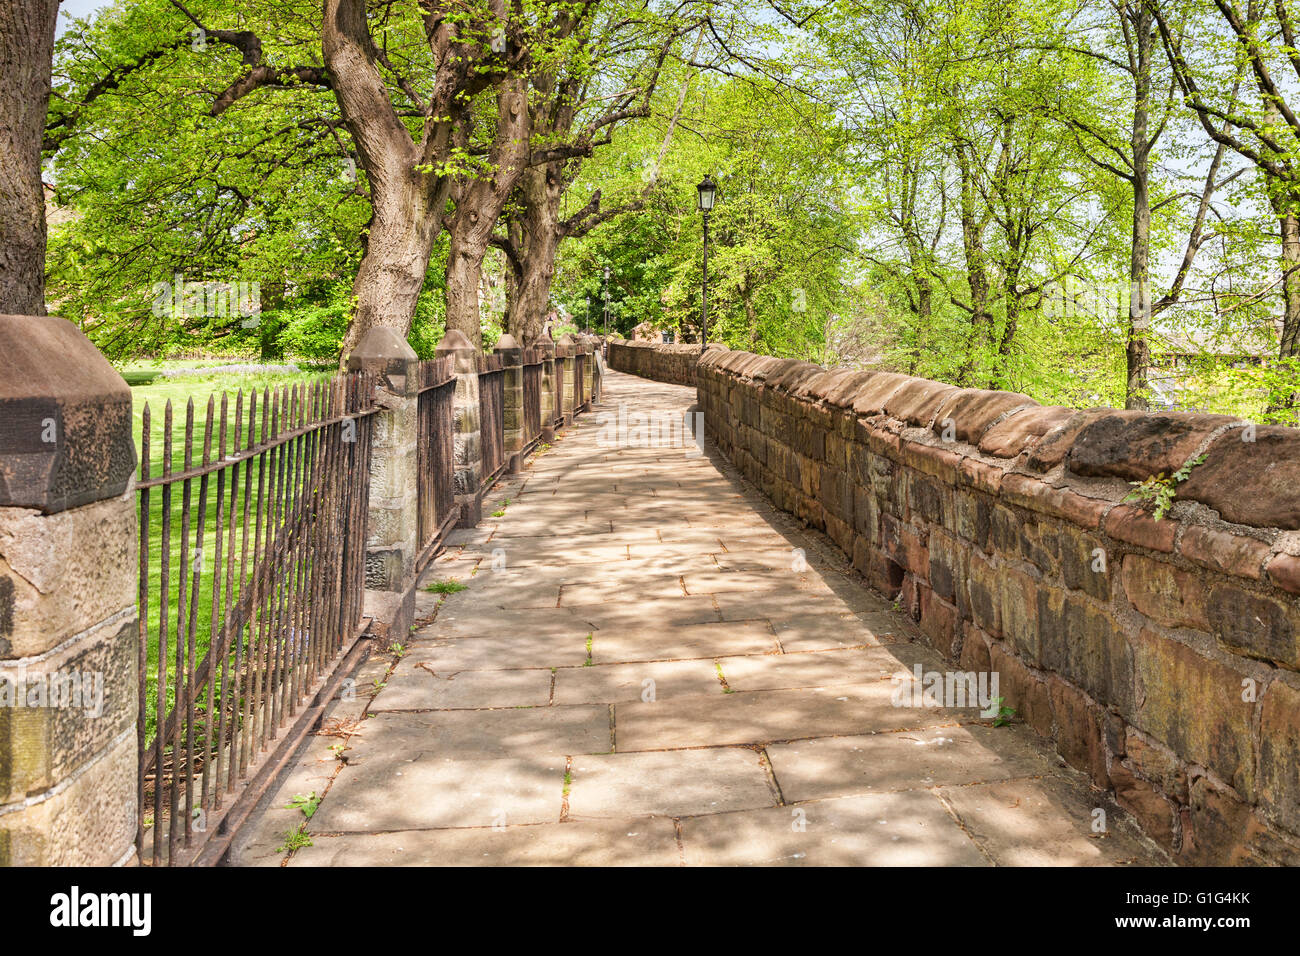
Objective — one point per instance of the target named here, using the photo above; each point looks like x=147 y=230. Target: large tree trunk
x=26 y=51
x=479 y=203
x=405 y=203
x=464 y=271
x=398 y=244
x=537 y=240
x=1138 y=351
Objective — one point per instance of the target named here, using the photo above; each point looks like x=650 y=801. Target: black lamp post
x=606 y=302
x=708 y=191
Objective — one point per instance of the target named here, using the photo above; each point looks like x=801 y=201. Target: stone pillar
x=69 y=577
x=393 y=519
x=512 y=363
x=546 y=345
x=564 y=352
x=589 y=368
x=468 y=477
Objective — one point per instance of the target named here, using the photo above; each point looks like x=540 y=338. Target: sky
x=77 y=8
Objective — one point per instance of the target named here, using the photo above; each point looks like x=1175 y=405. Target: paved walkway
x=649 y=665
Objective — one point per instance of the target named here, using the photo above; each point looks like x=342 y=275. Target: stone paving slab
x=766 y=582
x=682 y=643
x=505 y=652
x=820 y=632
x=650 y=551
x=528 y=554
x=642 y=841
x=585 y=531
x=475 y=734
x=413 y=686
x=433 y=791
x=669 y=783
x=730 y=539
x=766 y=559
x=664 y=613
x=612 y=683
x=827 y=669
x=906 y=760
x=1048 y=822
x=499 y=622
x=895 y=829
x=500 y=590
x=763 y=716
x=786 y=603
x=648 y=585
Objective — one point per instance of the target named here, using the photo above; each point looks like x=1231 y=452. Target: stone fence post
x=564 y=351
x=468 y=477
x=393 y=519
x=589 y=369
x=69 y=575
x=512 y=412
x=547 y=346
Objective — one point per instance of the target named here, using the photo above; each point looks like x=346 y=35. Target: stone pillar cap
x=455 y=341
x=385 y=351
x=65 y=418
x=505 y=343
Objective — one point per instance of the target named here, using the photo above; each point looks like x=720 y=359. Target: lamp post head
x=707 y=190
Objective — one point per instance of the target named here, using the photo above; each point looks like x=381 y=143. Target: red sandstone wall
x=1167 y=671
x=674 y=364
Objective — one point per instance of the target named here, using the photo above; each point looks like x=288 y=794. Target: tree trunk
x=1286 y=398
x=464 y=271
x=26 y=51
x=1290 y=347
x=398 y=244
x=1138 y=352
x=977 y=278
x=538 y=239
x=406 y=203
x=479 y=203
x=1014 y=298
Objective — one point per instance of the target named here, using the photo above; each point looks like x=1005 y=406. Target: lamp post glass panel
x=707 y=191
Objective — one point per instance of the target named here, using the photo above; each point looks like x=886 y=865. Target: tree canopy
x=1091 y=201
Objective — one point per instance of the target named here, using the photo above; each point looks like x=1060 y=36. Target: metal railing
x=532 y=418
x=579 y=381
x=436 y=453
x=252 y=547
x=491 y=403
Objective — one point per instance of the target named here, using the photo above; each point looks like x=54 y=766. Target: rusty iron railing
x=491 y=404
x=579 y=383
x=252 y=561
x=532 y=417
x=436 y=452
